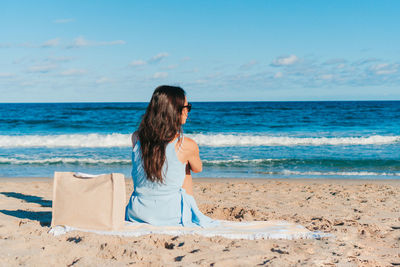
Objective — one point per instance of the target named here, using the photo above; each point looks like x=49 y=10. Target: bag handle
x=86 y=175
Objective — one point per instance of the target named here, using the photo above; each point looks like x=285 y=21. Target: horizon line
x=211 y=101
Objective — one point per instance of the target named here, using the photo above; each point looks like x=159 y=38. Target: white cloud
x=63 y=21
x=335 y=61
x=73 y=72
x=82 y=42
x=361 y=72
x=160 y=75
x=51 y=43
x=278 y=75
x=6 y=74
x=137 y=63
x=42 y=68
x=384 y=68
x=365 y=61
x=326 y=76
x=340 y=66
x=200 y=81
x=158 y=58
x=214 y=75
x=248 y=65
x=103 y=80
x=185 y=59
x=79 y=42
x=116 y=42
x=285 y=61
x=171 y=67
x=59 y=59
x=194 y=70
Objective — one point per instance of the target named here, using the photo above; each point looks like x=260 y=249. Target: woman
x=162 y=160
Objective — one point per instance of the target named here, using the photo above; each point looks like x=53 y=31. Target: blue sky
x=88 y=51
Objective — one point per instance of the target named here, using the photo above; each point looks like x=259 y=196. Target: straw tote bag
x=89 y=202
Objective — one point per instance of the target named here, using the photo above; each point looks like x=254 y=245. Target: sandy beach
x=363 y=216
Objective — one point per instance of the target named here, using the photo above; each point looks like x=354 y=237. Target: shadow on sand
x=28 y=198
x=43 y=217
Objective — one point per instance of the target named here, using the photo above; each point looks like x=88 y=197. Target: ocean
x=332 y=139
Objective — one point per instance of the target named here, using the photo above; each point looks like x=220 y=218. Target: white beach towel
x=228 y=229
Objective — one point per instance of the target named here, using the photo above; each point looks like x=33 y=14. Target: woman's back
x=173 y=170
x=164 y=203
x=157 y=203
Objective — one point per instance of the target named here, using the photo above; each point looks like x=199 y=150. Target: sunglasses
x=188 y=106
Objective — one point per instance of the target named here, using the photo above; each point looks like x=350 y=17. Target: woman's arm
x=189 y=154
x=193 y=156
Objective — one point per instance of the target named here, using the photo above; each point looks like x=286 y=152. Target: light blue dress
x=163 y=203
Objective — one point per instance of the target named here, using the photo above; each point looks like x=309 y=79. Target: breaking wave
x=210 y=140
x=74 y=161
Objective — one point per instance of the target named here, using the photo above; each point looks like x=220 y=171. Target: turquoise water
x=340 y=139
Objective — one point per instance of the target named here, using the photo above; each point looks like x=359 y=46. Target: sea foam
x=343 y=173
x=224 y=140
x=59 y=160
x=210 y=140
x=66 y=140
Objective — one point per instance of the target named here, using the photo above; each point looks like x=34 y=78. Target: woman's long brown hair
x=159 y=126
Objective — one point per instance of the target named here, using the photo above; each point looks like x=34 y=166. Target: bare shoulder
x=190 y=141
x=190 y=144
